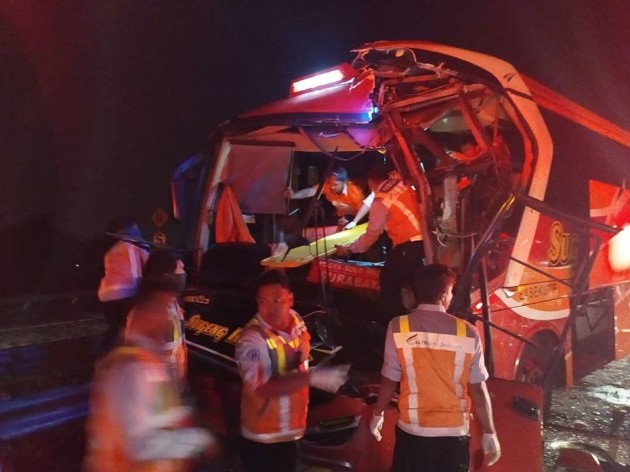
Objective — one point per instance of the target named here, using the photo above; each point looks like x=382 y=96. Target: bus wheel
x=535 y=362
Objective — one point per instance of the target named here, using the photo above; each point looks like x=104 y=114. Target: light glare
x=619 y=250
x=318 y=80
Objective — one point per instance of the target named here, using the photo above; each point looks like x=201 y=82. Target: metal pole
x=487 y=333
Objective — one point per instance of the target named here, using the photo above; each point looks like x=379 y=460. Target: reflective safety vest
x=434 y=385
x=178 y=359
x=283 y=418
x=353 y=198
x=175 y=346
x=108 y=450
x=403 y=223
x=123 y=271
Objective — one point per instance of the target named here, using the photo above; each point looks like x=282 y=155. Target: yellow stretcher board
x=303 y=255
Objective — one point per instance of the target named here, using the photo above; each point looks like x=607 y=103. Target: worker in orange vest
x=272 y=357
x=394 y=209
x=123 y=263
x=162 y=269
x=346 y=196
x=138 y=422
x=438 y=361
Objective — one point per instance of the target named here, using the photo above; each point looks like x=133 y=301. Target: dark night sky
x=100 y=100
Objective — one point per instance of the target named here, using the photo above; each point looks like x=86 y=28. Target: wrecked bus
x=543 y=259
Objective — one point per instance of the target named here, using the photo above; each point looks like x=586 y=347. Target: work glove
x=491 y=448
x=350 y=225
x=376 y=423
x=329 y=379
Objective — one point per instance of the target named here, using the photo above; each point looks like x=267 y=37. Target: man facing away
x=272 y=357
x=438 y=360
x=137 y=420
x=396 y=210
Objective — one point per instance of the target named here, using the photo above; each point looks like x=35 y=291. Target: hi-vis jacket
x=136 y=415
x=434 y=356
x=123 y=271
x=263 y=353
x=175 y=346
x=395 y=209
x=348 y=202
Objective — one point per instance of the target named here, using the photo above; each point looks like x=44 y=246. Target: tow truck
x=541 y=249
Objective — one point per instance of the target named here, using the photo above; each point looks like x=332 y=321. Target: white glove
x=350 y=225
x=376 y=423
x=491 y=448
x=329 y=379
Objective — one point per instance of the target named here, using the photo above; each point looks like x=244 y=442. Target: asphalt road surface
x=596 y=411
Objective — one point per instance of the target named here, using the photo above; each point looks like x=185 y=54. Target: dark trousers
x=425 y=454
x=275 y=457
x=402 y=261
x=115 y=313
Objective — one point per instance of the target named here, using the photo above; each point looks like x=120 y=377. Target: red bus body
x=420 y=105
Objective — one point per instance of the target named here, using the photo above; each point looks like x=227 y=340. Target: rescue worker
x=163 y=269
x=272 y=357
x=362 y=213
x=137 y=420
x=123 y=263
x=346 y=196
x=396 y=210
x=438 y=360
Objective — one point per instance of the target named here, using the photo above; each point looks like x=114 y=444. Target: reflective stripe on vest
x=107 y=447
x=167 y=394
x=281 y=418
x=395 y=194
x=277 y=345
x=434 y=402
x=123 y=269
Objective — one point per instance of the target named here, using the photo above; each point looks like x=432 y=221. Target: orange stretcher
x=302 y=255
